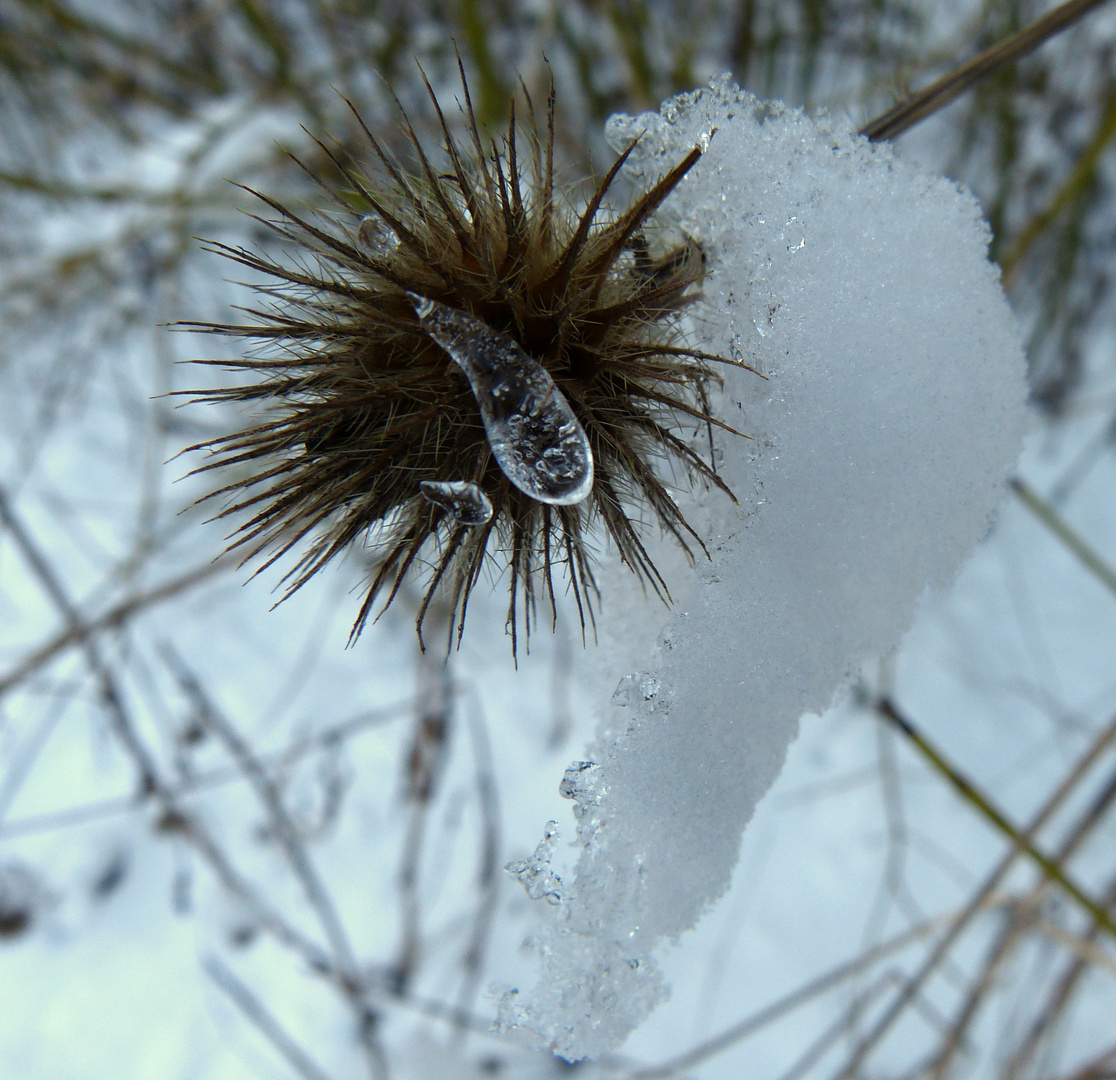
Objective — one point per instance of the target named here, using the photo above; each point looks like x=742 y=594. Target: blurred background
x=229 y=847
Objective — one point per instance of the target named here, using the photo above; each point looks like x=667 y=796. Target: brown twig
x=109 y=692
x=331 y=736
x=1051 y=866
x=1069 y=537
x=1043 y=1025
x=977 y=903
x=1099 y=1068
x=923 y=103
x=344 y=963
x=173 y=819
x=284 y=829
x=1074 y=840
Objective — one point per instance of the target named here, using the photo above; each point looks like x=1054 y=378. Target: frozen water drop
x=461 y=499
x=534 y=435
x=376 y=237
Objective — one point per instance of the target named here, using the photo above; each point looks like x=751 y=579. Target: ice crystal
x=534 y=435
x=461 y=499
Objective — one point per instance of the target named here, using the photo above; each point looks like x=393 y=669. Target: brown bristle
x=360 y=404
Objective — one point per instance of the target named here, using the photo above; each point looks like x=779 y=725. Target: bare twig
x=941 y=92
x=1080 y=179
x=742 y=1029
x=1099 y=1068
x=978 y=902
x=425 y=762
x=1072 y=540
x=488 y=878
x=264 y=1022
x=841 y=1026
x=1058 y=1000
x=1051 y=867
x=285 y=830
x=78 y=631
x=345 y=967
x=227 y=774
x=173 y=819
x=110 y=694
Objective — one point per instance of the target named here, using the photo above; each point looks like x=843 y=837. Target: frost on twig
x=893 y=410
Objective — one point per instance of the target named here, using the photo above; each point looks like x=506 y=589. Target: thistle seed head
x=375 y=425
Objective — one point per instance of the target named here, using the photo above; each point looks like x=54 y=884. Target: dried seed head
x=465 y=368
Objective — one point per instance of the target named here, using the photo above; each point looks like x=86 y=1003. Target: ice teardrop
x=461 y=499
x=534 y=435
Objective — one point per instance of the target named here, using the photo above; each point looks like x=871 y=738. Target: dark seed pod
x=463 y=332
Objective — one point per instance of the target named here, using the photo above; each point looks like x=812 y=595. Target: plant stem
x=1073 y=187
x=973 y=795
x=1057 y=525
x=923 y=103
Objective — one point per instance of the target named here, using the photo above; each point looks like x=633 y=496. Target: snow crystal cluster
x=893 y=409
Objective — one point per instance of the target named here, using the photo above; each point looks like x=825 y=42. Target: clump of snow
x=893 y=410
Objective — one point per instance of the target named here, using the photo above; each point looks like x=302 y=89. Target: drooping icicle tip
x=534 y=435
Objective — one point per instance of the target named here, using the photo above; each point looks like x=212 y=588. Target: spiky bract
x=361 y=405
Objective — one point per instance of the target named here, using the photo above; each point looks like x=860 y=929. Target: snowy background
x=205 y=803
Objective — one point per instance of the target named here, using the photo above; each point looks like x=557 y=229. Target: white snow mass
x=893 y=410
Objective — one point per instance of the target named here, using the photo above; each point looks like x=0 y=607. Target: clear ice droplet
x=534 y=435
x=461 y=499
x=375 y=236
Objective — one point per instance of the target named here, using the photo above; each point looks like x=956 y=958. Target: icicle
x=534 y=434
x=461 y=499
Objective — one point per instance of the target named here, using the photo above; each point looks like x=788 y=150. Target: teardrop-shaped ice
x=534 y=434
x=461 y=499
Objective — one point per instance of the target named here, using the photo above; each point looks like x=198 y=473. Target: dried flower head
x=460 y=367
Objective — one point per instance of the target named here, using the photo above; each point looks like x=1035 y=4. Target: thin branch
x=79 y=631
x=488 y=876
x=1042 y=1026
x=1052 y=868
x=844 y=1023
x=285 y=830
x=110 y=694
x=949 y=87
x=1079 y=181
x=742 y=1029
x=173 y=818
x=1070 y=537
x=425 y=763
x=978 y=902
x=1099 y=1068
x=264 y=1022
x=280 y=759
x=344 y=967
